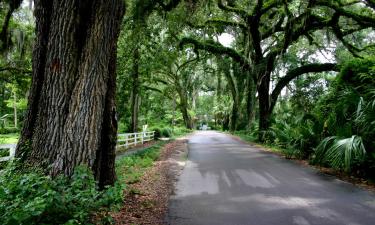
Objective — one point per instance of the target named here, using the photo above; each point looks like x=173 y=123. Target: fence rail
x=132 y=139
x=123 y=140
x=12 y=151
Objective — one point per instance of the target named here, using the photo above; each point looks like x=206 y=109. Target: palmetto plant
x=352 y=121
x=365 y=114
x=340 y=153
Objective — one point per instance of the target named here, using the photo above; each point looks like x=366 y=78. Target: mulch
x=146 y=202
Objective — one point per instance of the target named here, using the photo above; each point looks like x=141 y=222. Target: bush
x=166 y=132
x=341 y=153
x=180 y=131
x=8 y=130
x=157 y=132
x=32 y=198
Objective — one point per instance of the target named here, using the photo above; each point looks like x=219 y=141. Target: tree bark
x=250 y=100
x=264 y=104
x=185 y=113
x=135 y=91
x=15 y=109
x=71 y=117
x=4 y=38
x=234 y=114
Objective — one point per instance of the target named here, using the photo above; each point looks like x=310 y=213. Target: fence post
x=12 y=152
x=135 y=138
x=126 y=141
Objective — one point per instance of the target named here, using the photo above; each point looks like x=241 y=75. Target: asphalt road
x=228 y=182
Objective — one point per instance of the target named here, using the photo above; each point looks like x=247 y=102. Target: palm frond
x=341 y=153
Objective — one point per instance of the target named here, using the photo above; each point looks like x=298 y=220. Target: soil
x=146 y=202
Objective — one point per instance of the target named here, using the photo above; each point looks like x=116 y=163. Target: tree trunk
x=184 y=109
x=4 y=37
x=250 y=100
x=226 y=122
x=174 y=113
x=71 y=118
x=264 y=105
x=186 y=116
x=234 y=114
x=135 y=91
x=15 y=109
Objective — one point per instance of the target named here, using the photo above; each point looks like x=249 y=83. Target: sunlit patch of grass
x=9 y=138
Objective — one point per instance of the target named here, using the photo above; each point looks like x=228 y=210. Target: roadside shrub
x=33 y=198
x=341 y=153
x=8 y=130
x=157 y=132
x=177 y=131
x=166 y=132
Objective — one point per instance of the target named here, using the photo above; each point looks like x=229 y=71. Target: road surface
x=228 y=182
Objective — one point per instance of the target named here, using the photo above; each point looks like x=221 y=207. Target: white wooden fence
x=132 y=139
x=12 y=151
x=123 y=140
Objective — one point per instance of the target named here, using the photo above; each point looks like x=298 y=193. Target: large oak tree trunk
x=185 y=113
x=71 y=117
x=250 y=100
x=234 y=114
x=264 y=106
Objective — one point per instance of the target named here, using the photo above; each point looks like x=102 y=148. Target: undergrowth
x=33 y=198
x=131 y=168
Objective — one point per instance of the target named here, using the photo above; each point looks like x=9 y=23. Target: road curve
x=228 y=182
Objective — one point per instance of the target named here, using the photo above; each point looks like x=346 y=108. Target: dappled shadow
x=228 y=182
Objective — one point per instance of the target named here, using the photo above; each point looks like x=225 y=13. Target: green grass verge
x=245 y=136
x=9 y=138
x=130 y=168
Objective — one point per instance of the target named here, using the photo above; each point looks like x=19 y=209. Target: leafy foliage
x=341 y=153
x=32 y=198
x=334 y=129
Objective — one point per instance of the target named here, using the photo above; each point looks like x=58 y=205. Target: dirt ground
x=146 y=202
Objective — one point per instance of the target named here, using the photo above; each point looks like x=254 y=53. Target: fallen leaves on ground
x=146 y=202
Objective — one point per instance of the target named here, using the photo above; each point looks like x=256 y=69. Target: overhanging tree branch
x=294 y=73
x=215 y=48
x=227 y=8
x=362 y=20
x=221 y=22
x=151 y=89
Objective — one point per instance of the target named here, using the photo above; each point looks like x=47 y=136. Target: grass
x=243 y=135
x=130 y=168
x=9 y=138
x=179 y=132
